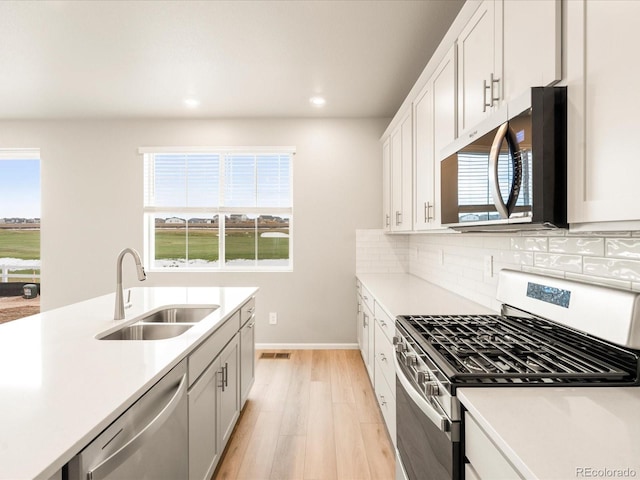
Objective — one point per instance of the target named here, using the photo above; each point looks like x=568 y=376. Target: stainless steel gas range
x=550 y=332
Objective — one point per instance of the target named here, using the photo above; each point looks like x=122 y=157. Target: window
x=19 y=232
x=218 y=209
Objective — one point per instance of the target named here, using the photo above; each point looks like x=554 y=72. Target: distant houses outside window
x=218 y=209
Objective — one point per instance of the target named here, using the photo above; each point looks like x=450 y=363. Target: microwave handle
x=505 y=133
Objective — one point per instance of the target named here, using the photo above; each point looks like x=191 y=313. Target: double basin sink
x=167 y=322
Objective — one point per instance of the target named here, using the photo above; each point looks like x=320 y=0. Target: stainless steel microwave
x=514 y=176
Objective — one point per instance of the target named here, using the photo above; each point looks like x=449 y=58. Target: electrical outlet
x=273 y=318
x=488 y=266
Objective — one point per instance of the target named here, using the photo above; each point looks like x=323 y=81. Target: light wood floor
x=313 y=416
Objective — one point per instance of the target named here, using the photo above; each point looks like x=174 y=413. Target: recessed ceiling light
x=317 y=101
x=191 y=102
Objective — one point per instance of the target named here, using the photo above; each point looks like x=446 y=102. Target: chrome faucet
x=119 y=311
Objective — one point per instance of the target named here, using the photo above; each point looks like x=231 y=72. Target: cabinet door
x=603 y=167
x=402 y=175
x=229 y=391
x=477 y=66
x=531 y=45
x=360 y=323
x=247 y=359
x=203 y=437
x=366 y=348
x=386 y=185
x=423 y=166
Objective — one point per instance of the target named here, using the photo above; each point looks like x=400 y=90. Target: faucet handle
x=128 y=303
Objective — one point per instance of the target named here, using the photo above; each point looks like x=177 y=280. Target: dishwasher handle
x=111 y=462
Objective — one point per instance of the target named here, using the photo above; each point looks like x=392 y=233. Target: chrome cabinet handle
x=398 y=218
x=383 y=358
x=492 y=98
x=382 y=323
x=251 y=325
x=387 y=220
x=365 y=320
x=485 y=87
x=251 y=310
x=494 y=81
x=382 y=400
x=226 y=374
x=106 y=466
x=427 y=209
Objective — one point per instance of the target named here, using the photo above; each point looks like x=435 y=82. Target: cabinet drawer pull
x=383 y=357
x=251 y=325
x=382 y=400
x=365 y=320
x=387 y=220
x=485 y=87
x=494 y=81
x=251 y=310
x=398 y=218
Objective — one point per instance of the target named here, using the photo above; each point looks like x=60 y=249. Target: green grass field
x=23 y=244
x=171 y=244
x=203 y=244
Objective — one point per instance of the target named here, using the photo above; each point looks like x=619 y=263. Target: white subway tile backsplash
x=612 y=268
x=533 y=244
x=623 y=247
x=577 y=245
x=557 y=261
x=610 y=282
x=611 y=259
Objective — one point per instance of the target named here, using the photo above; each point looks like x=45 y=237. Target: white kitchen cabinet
x=214 y=408
x=386 y=185
x=229 y=391
x=204 y=450
x=532 y=45
x=484 y=461
x=434 y=113
x=401 y=148
x=603 y=170
x=215 y=371
x=365 y=328
x=247 y=350
x=506 y=48
x=479 y=65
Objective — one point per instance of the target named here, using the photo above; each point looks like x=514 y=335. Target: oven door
x=428 y=442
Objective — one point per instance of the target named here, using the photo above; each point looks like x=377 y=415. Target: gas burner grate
x=495 y=348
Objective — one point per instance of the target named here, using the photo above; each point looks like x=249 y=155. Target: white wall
x=92 y=208
x=456 y=261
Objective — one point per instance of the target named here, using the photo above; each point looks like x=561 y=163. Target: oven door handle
x=439 y=420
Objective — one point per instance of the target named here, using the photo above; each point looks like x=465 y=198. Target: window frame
x=149 y=212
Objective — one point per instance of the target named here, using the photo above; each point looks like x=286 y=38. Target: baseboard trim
x=306 y=346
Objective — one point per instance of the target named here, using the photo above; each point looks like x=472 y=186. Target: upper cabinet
x=603 y=170
x=479 y=65
x=506 y=48
x=434 y=114
x=386 y=185
x=401 y=148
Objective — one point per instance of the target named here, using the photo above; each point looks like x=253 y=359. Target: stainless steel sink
x=141 y=331
x=178 y=314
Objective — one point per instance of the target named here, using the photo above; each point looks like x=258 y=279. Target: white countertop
x=60 y=386
x=404 y=294
x=552 y=433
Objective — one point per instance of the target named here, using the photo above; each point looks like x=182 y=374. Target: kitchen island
x=60 y=386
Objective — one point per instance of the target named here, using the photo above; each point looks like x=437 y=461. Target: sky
x=19 y=188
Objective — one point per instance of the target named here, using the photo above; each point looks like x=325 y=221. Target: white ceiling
x=128 y=59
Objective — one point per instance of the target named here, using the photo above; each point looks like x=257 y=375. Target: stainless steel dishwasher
x=148 y=441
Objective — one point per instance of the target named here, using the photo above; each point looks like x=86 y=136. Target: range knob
x=432 y=389
x=411 y=360
x=423 y=376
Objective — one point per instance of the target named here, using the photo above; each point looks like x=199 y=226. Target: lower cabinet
x=247 y=354
x=375 y=329
x=221 y=373
x=204 y=450
x=229 y=391
x=484 y=461
x=214 y=407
